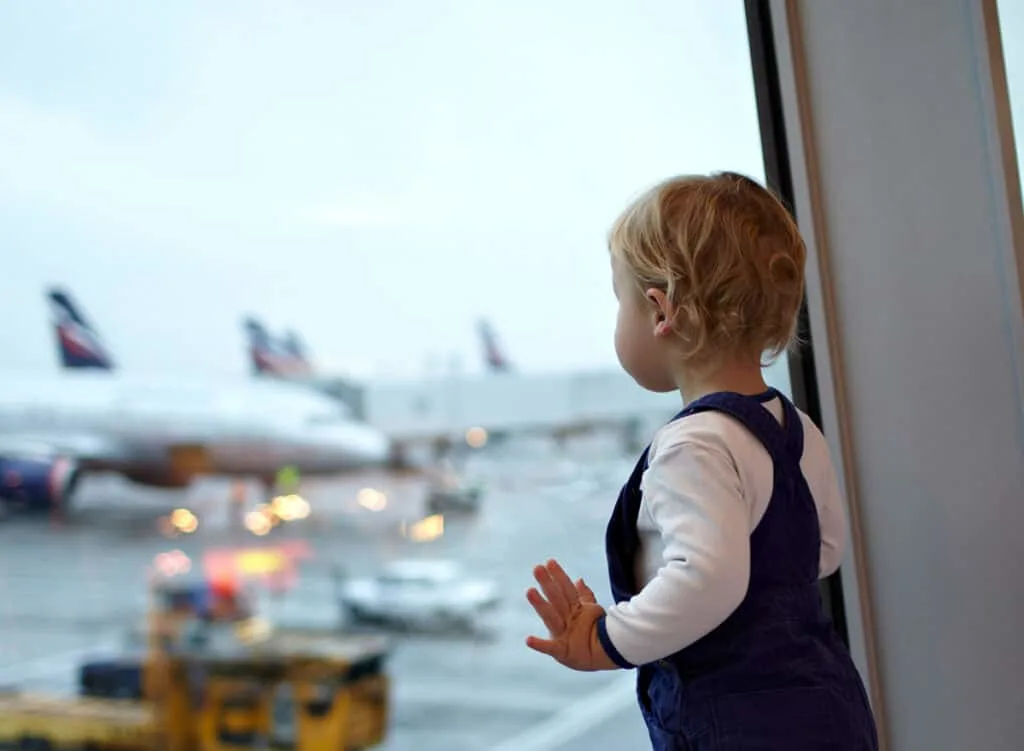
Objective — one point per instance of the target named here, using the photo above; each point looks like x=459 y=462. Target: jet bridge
x=556 y=405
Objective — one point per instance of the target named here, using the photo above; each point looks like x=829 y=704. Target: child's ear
x=662 y=310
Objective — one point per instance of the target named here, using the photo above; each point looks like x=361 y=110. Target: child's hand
x=570 y=613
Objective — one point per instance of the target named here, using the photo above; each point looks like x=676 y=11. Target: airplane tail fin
x=78 y=344
x=262 y=357
x=270 y=357
x=494 y=356
x=293 y=344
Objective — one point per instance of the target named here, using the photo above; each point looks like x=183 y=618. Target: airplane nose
x=361 y=444
x=377 y=446
x=343 y=446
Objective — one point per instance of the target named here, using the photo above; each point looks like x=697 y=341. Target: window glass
x=248 y=214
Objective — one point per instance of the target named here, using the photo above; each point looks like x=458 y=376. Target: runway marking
x=574 y=720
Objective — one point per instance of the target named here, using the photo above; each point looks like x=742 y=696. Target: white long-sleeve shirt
x=706 y=487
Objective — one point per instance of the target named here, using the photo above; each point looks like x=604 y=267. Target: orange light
x=476 y=437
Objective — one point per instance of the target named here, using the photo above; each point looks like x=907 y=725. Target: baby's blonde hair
x=729 y=256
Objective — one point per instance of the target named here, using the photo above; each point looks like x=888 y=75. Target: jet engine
x=37 y=483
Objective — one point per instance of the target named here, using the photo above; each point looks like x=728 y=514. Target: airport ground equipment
x=218 y=679
x=461 y=500
x=42 y=723
x=223 y=698
x=422 y=594
x=213 y=678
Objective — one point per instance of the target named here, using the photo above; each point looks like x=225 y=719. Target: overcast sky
x=375 y=175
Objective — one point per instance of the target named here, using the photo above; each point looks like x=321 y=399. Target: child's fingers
x=551 y=617
x=562 y=581
x=551 y=590
x=586 y=595
x=548 y=647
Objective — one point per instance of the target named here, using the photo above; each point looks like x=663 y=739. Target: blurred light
x=301 y=508
x=258 y=562
x=172 y=563
x=373 y=500
x=258 y=523
x=184 y=520
x=476 y=437
x=289 y=507
x=253 y=630
x=425 y=530
x=268 y=514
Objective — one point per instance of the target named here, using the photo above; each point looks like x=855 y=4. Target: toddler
x=732 y=514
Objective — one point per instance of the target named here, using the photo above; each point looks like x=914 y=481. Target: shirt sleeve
x=693 y=493
x=831 y=519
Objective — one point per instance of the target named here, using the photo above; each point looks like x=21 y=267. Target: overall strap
x=622 y=540
x=793 y=427
x=782 y=442
x=785 y=446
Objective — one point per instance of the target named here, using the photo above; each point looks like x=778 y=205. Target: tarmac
x=70 y=590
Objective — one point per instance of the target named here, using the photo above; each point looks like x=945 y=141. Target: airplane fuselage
x=165 y=432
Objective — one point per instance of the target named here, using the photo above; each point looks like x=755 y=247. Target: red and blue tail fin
x=78 y=344
x=293 y=344
x=270 y=357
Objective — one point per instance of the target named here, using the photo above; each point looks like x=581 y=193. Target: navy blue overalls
x=774 y=676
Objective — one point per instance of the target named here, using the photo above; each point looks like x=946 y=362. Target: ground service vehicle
x=421 y=594
x=211 y=679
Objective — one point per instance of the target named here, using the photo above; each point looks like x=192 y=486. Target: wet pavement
x=70 y=591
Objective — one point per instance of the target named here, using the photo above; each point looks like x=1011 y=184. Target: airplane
x=455 y=413
x=162 y=431
x=77 y=342
x=283 y=359
x=287 y=357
